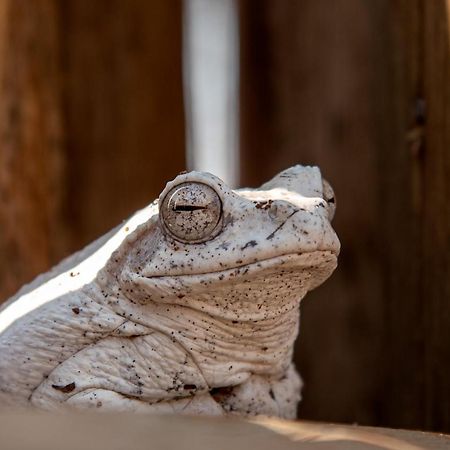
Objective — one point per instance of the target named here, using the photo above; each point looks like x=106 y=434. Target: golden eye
x=328 y=196
x=191 y=212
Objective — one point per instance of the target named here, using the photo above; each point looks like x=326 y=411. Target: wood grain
x=124 y=108
x=401 y=202
x=436 y=213
x=362 y=90
x=31 y=142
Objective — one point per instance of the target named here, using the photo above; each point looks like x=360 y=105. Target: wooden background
x=92 y=126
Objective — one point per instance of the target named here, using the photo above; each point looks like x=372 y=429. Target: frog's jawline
x=298 y=260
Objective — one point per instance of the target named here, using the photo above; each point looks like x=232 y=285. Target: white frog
x=190 y=306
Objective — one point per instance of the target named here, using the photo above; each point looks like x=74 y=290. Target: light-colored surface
x=345 y=436
x=118 y=432
x=211 y=91
x=141 y=321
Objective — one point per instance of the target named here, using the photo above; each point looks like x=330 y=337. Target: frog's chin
x=317 y=265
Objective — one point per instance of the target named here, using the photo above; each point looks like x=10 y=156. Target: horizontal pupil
x=187 y=207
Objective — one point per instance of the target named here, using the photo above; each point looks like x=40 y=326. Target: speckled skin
x=142 y=321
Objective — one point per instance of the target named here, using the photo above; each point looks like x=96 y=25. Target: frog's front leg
x=127 y=373
x=153 y=373
x=109 y=401
x=262 y=395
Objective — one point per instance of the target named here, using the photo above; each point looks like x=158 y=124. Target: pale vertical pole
x=211 y=86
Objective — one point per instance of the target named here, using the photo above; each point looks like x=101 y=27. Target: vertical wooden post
x=436 y=213
x=308 y=89
x=417 y=229
x=400 y=138
x=124 y=108
x=31 y=147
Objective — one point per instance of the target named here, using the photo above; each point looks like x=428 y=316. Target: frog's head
x=242 y=254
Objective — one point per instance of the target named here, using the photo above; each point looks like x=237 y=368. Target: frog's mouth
x=321 y=263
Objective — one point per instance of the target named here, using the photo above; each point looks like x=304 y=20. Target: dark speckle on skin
x=249 y=244
x=66 y=389
x=228 y=220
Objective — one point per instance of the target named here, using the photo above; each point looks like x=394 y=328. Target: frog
x=191 y=306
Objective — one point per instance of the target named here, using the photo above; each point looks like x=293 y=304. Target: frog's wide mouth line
x=282 y=262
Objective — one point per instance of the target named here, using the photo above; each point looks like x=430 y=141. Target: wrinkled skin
x=146 y=320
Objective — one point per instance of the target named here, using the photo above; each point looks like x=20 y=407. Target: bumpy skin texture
x=144 y=320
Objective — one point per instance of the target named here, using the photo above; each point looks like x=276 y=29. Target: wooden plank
x=124 y=108
x=113 y=431
x=308 y=87
x=31 y=145
x=436 y=213
x=400 y=135
x=416 y=190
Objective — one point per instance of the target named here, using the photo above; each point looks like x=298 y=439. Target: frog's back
x=63 y=266
x=72 y=273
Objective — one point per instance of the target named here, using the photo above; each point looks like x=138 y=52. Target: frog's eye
x=328 y=196
x=191 y=212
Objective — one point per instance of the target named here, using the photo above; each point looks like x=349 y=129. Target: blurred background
x=102 y=102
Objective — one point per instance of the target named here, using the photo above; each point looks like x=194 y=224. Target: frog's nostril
x=273 y=211
x=280 y=209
